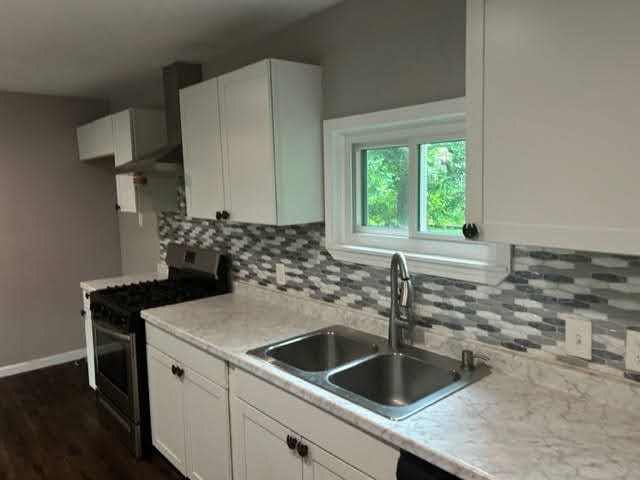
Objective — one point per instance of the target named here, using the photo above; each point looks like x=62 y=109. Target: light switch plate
x=281 y=277
x=632 y=356
x=578 y=336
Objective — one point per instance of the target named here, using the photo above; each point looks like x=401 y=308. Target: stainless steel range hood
x=167 y=161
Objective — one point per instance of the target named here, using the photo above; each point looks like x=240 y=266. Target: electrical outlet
x=578 y=336
x=281 y=276
x=632 y=357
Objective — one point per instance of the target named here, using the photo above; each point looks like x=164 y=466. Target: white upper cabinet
x=136 y=132
x=123 y=136
x=553 y=118
x=247 y=130
x=269 y=119
x=123 y=152
x=202 y=149
x=95 y=139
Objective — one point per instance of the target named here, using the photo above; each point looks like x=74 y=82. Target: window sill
x=455 y=268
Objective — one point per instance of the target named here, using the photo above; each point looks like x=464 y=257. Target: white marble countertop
x=101 y=283
x=498 y=428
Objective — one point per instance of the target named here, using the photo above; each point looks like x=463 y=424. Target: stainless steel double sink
x=361 y=368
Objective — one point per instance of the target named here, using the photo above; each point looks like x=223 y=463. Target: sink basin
x=363 y=369
x=394 y=379
x=321 y=351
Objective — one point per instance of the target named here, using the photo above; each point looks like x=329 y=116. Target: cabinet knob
x=83 y=313
x=303 y=450
x=117 y=207
x=218 y=215
x=86 y=295
x=179 y=372
x=225 y=215
x=470 y=231
x=291 y=442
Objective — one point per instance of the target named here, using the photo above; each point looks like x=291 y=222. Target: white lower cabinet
x=321 y=465
x=264 y=419
x=166 y=402
x=261 y=451
x=202 y=411
x=207 y=429
x=189 y=412
x=260 y=446
x=88 y=338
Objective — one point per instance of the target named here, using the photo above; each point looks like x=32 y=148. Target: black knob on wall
x=303 y=450
x=291 y=442
x=470 y=231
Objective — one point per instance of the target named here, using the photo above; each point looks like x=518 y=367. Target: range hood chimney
x=167 y=161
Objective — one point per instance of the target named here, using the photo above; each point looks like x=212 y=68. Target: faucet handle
x=404 y=294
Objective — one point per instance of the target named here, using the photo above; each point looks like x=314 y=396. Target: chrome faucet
x=401 y=302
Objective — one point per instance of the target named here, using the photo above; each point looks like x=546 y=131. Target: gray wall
x=376 y=54
x=139 y=242
x=57 y=224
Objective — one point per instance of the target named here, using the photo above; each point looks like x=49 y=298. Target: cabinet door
x=88 y=336
x=247 y=142
x=321 y=465
x=166 y=403
x=95 y=139
x=560 y=122
x=206 y=413
x=201 y=143
x=260 y=450
x=123 y=153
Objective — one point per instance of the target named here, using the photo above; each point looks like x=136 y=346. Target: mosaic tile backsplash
x=526 y=312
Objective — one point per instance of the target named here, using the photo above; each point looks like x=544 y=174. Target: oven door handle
x=125 y=337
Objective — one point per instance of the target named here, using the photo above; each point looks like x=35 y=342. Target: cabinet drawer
x=199 y=361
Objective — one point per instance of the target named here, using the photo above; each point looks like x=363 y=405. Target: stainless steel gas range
x=119 y=336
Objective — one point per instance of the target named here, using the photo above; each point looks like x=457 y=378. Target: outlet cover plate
x=578 y=337
x=632 y=356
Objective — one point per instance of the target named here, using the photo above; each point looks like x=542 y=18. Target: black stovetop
x=120 y=306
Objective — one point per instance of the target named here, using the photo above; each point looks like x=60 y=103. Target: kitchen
x=242 y=310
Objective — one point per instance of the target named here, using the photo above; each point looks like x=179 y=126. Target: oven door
x=116 y=368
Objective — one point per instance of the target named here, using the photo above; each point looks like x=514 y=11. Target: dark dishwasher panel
x=411 y=467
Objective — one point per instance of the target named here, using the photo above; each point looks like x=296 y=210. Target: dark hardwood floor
x=49 y=430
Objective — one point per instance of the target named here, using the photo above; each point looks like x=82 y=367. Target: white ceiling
x=90 y=48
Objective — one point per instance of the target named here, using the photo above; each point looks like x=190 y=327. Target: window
x=396 y=181
x=442 y=186
x=385 y=179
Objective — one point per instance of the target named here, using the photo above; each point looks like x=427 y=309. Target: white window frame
x=430 y=253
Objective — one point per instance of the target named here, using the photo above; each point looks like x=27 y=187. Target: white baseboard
x=38 y=363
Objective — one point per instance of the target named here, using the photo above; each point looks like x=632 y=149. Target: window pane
x=442 y=187
x=385 y=195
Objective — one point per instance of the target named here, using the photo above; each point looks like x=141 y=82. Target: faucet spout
x=401 y=300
